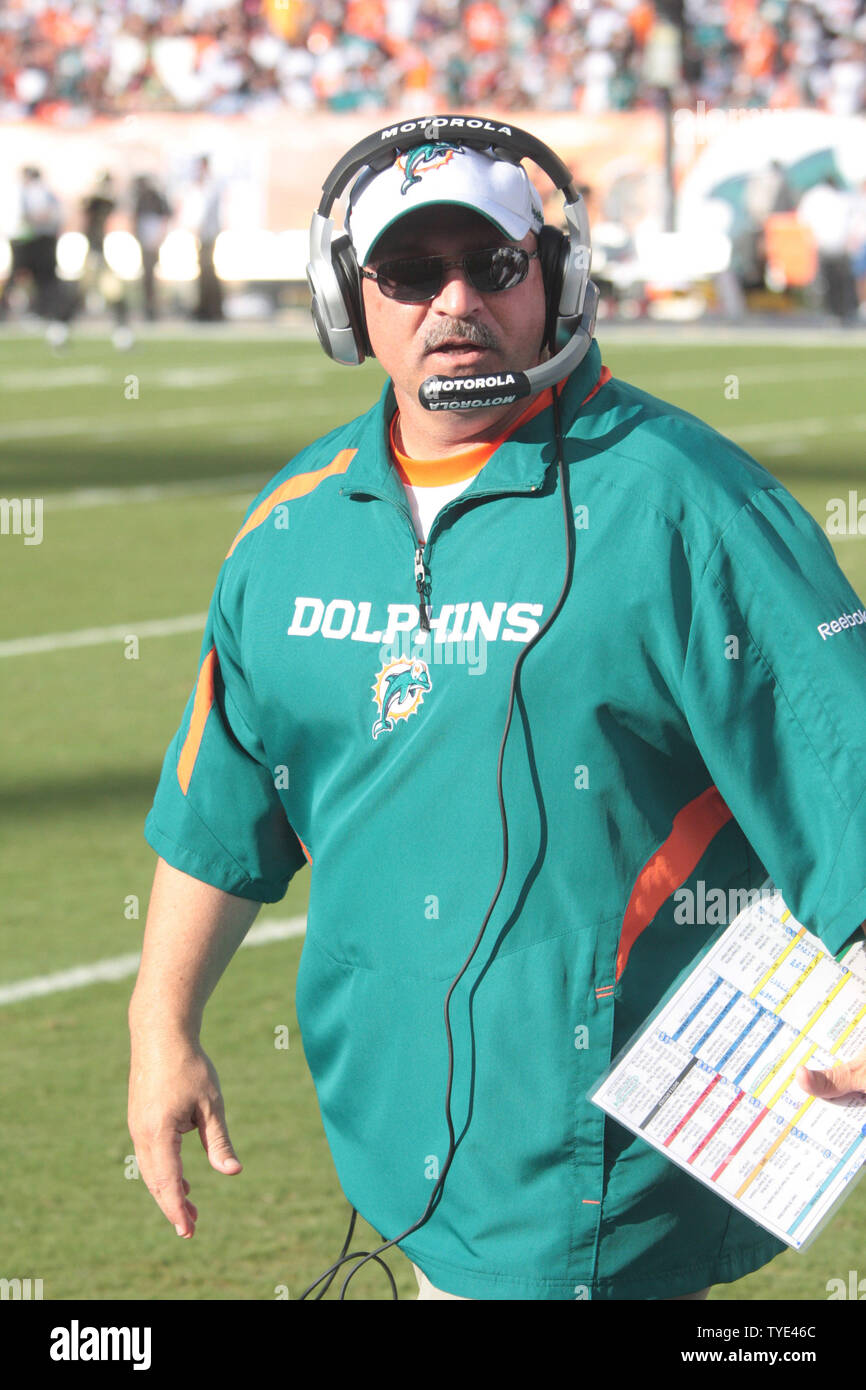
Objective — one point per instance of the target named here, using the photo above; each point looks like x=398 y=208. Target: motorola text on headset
x=338 y=315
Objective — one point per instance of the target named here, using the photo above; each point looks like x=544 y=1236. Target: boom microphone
x=473 y=392
x=502 y=388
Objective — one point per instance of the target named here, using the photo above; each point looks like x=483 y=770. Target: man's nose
x=458 y=296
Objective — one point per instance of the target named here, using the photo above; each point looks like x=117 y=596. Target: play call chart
x=710 y=1081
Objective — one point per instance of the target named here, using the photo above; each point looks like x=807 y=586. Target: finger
x=833 y=1082
x=160 y=1166
x=216 y=1143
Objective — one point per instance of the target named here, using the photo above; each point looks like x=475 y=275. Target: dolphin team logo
x=419 y=160
x=398 y=692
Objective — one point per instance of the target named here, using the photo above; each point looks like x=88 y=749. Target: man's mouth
x=458 y=348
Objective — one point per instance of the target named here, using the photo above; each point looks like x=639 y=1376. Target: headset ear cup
x=348 y=277
x=553 y=259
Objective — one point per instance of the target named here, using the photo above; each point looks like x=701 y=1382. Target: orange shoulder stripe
x=695 y=825
x=604 y=377
x=201 y=708
x=298 y=486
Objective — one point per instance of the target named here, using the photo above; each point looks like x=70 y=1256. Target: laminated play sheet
x=710 y=1080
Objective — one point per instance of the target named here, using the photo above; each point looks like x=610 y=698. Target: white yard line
x=794 y=429
x=777 y=374
x=55 y=376
x=51 y=378
x=121 y=967
x=134 y=419
x=243 y=484
x=96 y=636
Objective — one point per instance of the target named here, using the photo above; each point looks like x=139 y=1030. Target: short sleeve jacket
x=692 y=721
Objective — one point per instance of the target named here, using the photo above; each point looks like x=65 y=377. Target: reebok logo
x=840 y=624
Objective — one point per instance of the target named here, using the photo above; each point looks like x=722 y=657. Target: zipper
x=422 y=550
x=422 y=584
x=421 y=573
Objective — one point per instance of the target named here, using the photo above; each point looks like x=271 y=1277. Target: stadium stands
x=69 y=62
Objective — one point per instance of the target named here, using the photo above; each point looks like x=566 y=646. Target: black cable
x=333 y=1270
x=363 y=1256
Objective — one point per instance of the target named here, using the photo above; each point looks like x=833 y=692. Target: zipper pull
x=421 y=584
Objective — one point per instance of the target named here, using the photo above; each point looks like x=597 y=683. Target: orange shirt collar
x=466 y=463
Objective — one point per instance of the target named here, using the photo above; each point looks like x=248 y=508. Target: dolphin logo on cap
x=423 y=157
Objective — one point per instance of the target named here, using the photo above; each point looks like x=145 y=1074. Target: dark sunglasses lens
x=499 y=269
x=414 y=281
x=411 y=281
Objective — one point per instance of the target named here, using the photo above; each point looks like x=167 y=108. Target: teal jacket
x=693 y=720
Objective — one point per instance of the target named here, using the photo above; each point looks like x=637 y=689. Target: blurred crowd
x=70 y=63
x=811 y=244
x=85 y=58
x=32 y=276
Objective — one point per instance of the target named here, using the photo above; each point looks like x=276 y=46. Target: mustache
x=462 y=330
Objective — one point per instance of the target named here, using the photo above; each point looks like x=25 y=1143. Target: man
x=151 y=213
x=97 y=208
x=682 y=718
x=34 y=247
x=826 y=209
x=202 y=213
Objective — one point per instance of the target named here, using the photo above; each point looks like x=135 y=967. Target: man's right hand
x=173 y=1089
x=192 y=932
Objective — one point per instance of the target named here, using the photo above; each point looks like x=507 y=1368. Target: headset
x=338 y=315
x=572 y=298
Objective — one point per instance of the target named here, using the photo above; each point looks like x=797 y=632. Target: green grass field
x=145 y=483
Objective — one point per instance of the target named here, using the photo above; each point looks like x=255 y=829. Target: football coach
x=509 y=659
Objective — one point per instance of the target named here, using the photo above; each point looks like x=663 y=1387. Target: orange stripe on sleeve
x=298 y=486
x=693 y=829
x=201 y=707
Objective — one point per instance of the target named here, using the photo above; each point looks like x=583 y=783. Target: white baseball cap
x=442 y=173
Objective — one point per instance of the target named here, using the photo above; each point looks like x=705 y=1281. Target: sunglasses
x=420 y=278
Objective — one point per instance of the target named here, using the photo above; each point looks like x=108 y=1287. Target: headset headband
x=379 y=150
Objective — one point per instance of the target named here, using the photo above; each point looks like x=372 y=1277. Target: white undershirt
x=425 y=503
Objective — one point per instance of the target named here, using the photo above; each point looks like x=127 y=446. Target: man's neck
x=423 y=434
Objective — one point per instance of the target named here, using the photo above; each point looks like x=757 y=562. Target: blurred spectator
x=99 y=278
x=34 y=245
x=201 y=213
x=857 y=244
x=97 y=207
x=827 y=211
x=150 y=215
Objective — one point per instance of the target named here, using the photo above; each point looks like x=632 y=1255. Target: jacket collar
x=512 y=468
